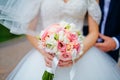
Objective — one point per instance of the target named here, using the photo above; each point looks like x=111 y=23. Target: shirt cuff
x=117 y=42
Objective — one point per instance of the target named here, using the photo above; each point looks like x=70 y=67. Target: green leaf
x=78 y=33
x=47 y=76
x=48 y=45
x=38 y=37
x=56 y=36
x=67 y=26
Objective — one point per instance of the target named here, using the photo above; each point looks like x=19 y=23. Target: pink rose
x=60 y=29
x=77 y=47
x=45 y=34
x=61 y=46
x=72 y=37
x=65 y=56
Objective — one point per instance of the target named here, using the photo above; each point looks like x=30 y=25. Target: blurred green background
x=5 y=34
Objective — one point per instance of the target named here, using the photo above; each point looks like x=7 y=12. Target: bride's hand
x=69 y=62
x=65 y=63
x=48 y=59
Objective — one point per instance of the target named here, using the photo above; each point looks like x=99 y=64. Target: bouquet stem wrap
x=49 y=73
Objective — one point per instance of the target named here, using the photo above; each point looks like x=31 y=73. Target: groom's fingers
x=102 y=36
x=99 y=45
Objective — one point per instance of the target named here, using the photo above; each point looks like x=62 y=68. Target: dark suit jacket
x=112 y=26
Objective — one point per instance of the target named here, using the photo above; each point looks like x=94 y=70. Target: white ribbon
x=54 y=66
x=72 y=72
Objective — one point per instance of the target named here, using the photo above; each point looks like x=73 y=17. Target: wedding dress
x=16 y=15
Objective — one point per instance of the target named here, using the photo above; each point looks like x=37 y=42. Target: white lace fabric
x=16 y=14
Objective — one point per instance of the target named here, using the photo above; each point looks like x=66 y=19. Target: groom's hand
x=108 y=45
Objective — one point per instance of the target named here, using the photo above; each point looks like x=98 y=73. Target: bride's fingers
x=65 y=62
x=48 y=64
x=49 y=56
x=66 y=65
x=48 y=61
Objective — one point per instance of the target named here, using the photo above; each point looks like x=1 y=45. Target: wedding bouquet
x=62 y=39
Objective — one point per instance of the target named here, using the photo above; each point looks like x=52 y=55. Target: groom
x=110 y=28
x=109 y=37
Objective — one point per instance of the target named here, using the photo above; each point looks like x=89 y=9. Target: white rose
x=63 y=23
x=74 y=54
x=41 y=33
x=49 y=50
x=73 y=28
x=58 y=53
x=61 y=35
x=55 y=49
x=66 y=40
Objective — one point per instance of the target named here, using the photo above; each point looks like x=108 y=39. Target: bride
x=31 y=16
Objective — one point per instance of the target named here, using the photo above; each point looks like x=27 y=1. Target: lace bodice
x=74 y=11
x=54 y=11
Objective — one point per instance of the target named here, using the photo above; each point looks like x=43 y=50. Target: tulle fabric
x=17 y=14
x=94 y=65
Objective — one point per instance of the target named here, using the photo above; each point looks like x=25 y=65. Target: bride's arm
x=92 y=36
x=93 y=33
x=34 y=41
